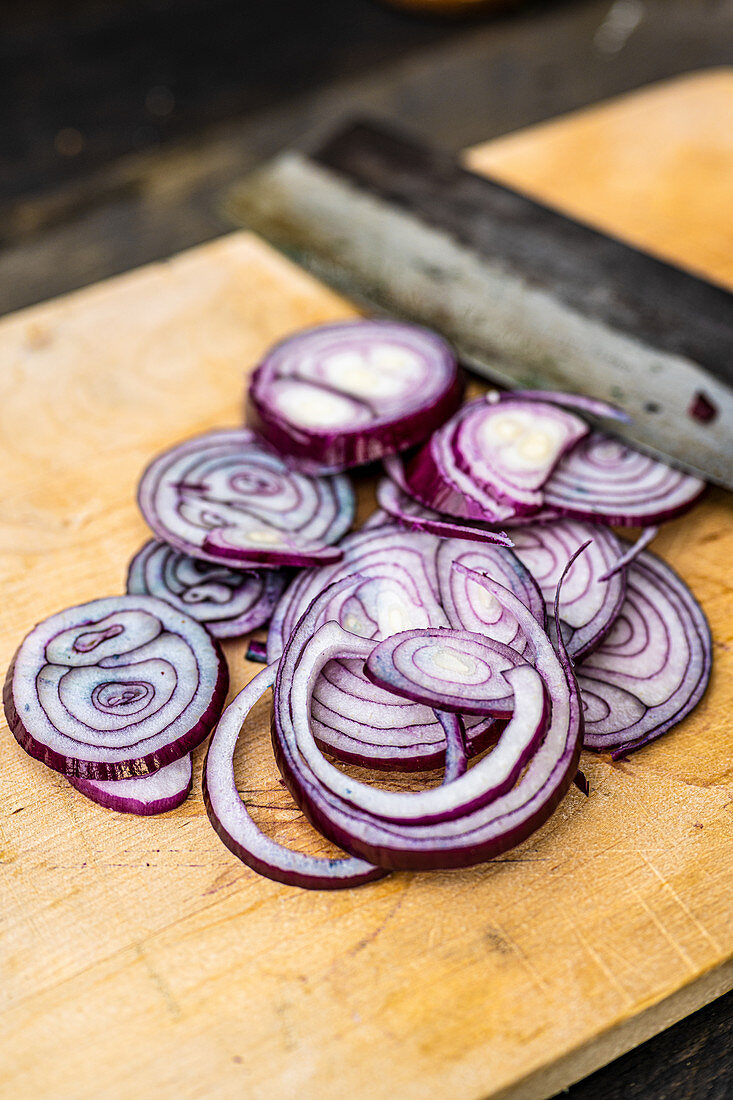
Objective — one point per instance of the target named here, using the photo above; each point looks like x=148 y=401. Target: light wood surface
x=137 y=957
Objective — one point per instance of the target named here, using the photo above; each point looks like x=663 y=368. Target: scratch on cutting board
x=685 y=908
x=159 y=982
x=666 y=933
x=389 y=916
x=603 y=967
x=534 y=974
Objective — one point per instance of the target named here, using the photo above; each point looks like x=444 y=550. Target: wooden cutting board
x=138 y=957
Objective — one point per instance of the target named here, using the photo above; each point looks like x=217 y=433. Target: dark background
x=122 y=124
x=123 y=121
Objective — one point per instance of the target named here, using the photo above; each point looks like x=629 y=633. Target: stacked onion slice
x=227 y=497
x=509 y=458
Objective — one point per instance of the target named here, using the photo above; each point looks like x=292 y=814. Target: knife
x=528 y=296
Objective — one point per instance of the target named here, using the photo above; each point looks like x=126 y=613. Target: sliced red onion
x=489 y=809
x=257 y=652
x=468 y=603
x=227 y=497
x=510 y=446
x=232 y=822
x=393 y=586
x=401 y=580
x=590 y=600
x=229 y=602
x=632 y=553
x=607 y=481
x=456 y=753
x=345 y=394
x=434 y=479
x=653 y=666
x=147 y=795
x=115 y=688
x=452 y=670
x=415 y=517
x=329 y=641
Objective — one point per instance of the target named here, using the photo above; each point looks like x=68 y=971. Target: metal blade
x=563 y=307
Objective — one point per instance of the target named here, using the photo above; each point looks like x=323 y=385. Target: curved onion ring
x=147 y=795
x=235 y=827
x=653 y=666
x=401 y=580
x=115 y=688
x=590 y=601
x=454 y=670
x=607 y=481
x=345 y=394
x=400 y=506
x=229 y=602
x=454 y=825
x=228 y=497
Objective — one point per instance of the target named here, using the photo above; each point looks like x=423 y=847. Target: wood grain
x=140 y=958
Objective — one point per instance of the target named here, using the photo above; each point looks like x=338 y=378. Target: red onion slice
x=434 y=479
x=453 y=825
x=229 y=602
x=392 y=586
x=475 y=788
x=257 y=652
x=227 y=497
x=415 y=517
x=346 y=394
x=653 y=666
x=468 y=603
x=147 y=795
x=590 y=600
x=451 y=670
x=115 y=688
x=607 y=481
x=401 y=580
x=509 y=446
x=237 y=830
x=632 y=553
x=456 y=754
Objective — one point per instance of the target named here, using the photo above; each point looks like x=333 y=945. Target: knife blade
x=529 y=297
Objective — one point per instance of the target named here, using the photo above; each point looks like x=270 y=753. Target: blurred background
x=122 y=122
x=125 y=119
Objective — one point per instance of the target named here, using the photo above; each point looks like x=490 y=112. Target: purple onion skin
x=590 y=405
x=435 y=523
x=257 y=652
x=265 y=559
x=122 y=803
x=321 y=451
